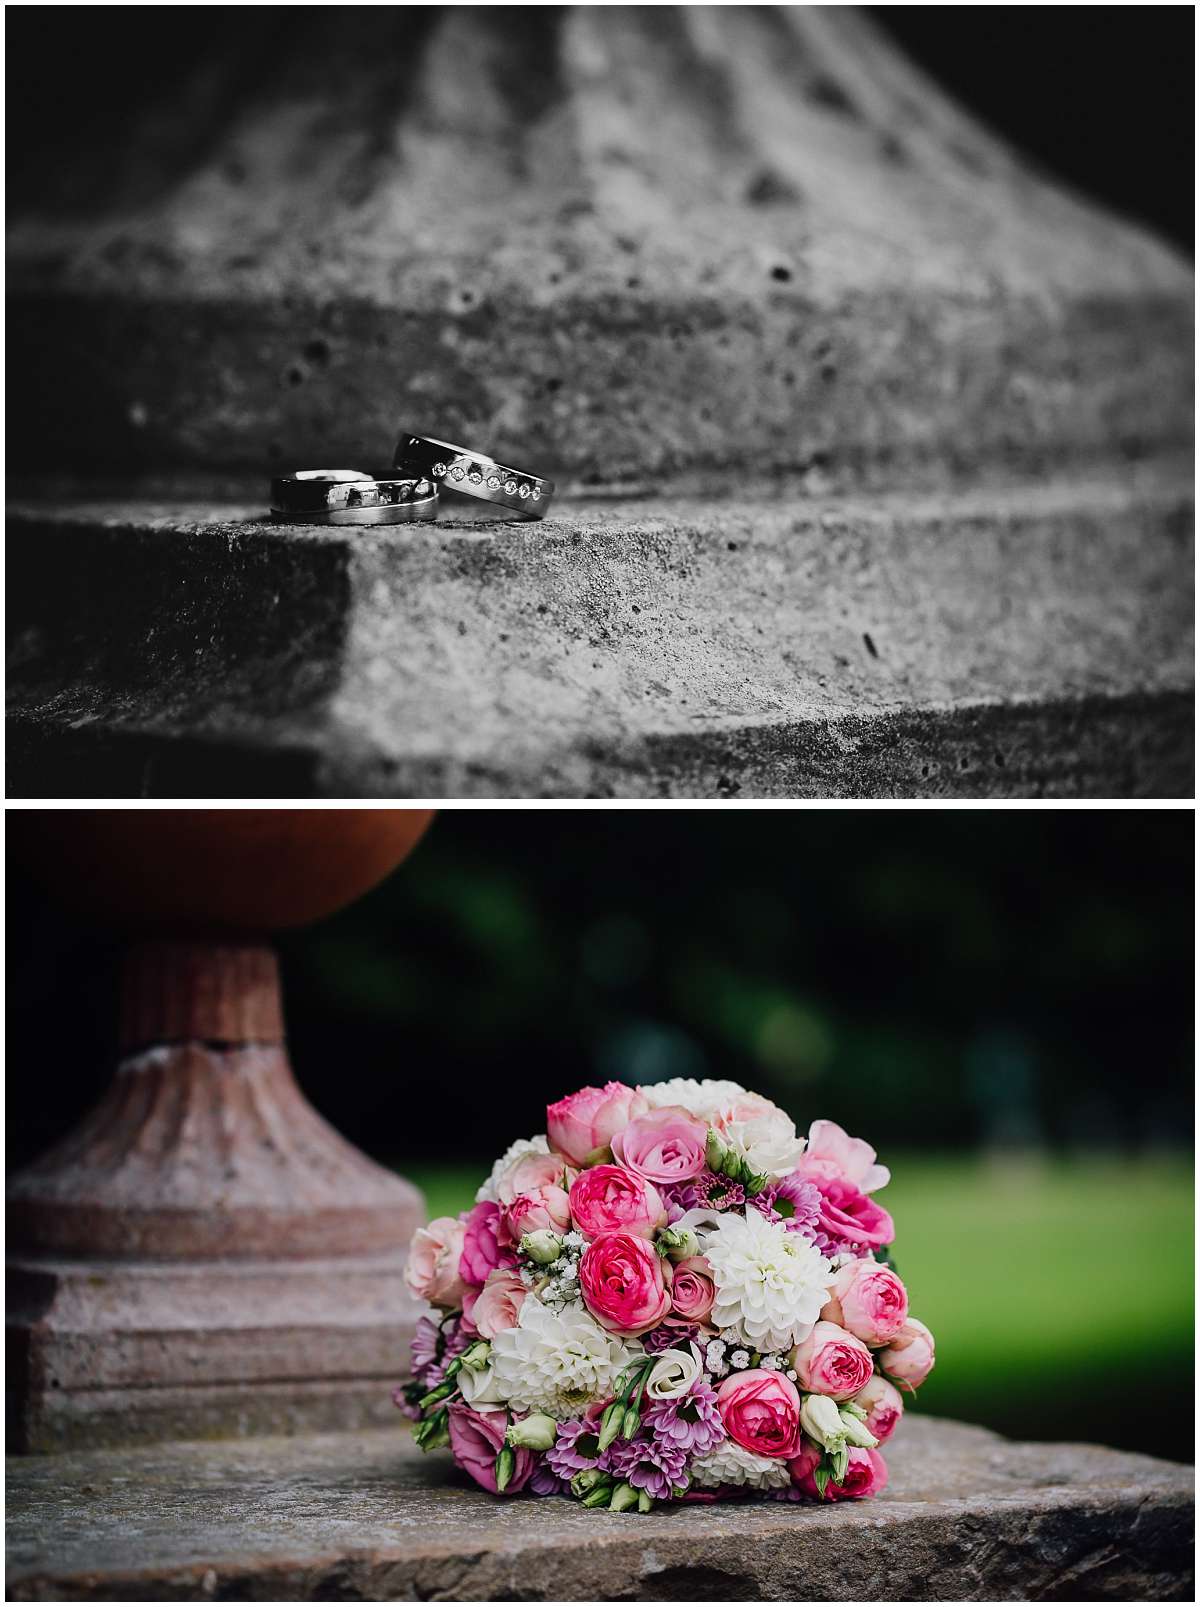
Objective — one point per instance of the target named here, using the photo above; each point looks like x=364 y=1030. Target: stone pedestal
x=204 y=1254
x=967 y=1516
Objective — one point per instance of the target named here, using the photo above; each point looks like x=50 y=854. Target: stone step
x=1011 y=640
x=967 y=1516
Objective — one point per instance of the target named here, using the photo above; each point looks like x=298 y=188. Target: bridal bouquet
x=668 y=1296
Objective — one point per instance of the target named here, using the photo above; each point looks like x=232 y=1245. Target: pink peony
x=612 y=1199
x=883 y=1405
x=848 y=1216
x=622 y=1280
x=692 y=1289
x=432 y=1272
x=530 y=1173
x=476 y=1438
x=868 y=1300
x=666 y=1145
x=481 y=1253
x=908 y=1359
x=833 y=1153
x=582 y=1125
x=545 y=1207
x=496 y=1305
x=761 y=1411
x=832 y=1362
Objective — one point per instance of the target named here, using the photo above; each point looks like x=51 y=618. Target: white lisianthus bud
x=476 y=1356
x=714 y=1153
x=479 y=1387
x=541 y=1246
x=857 y=1432
x=537 y=1432
x=821 y=1421
x=679 y=1243
x=672 y=1375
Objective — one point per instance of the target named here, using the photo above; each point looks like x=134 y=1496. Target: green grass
x=1061 y=1293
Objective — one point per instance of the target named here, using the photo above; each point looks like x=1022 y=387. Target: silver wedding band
x=457 y=468
x=348 y=496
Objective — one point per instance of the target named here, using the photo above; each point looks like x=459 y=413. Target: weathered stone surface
x=1008 y=641
x=967 y=1516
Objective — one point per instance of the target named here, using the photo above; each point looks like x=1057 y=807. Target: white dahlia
x=771 y=1284
x=730 y=1464
x=703 y=1098
x=557 y=1361
x=515 y=1152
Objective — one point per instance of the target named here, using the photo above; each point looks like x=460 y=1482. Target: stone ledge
x=967 y=1516
x=1011 y=641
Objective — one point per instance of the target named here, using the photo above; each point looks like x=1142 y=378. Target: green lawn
x=1060 y=1293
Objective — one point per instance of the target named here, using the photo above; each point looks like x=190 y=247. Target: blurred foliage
x=1060 y=1293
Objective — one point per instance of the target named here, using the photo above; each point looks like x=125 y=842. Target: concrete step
x=1012 y=640
x=967 y=1516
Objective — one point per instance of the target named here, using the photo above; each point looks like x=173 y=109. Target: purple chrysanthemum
x=707 y=1191
x=544 y=1481
x=425 y=1342
x=577 y=1446
x=690 y=1423
x=798 y=1203
x=652 y=1465
x=670 y=1334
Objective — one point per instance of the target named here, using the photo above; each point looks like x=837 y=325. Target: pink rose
x=692 y=1289
x=481 y=1253
x=545 y=1207
x=432 y=1272
x=868 y=1300
x=611 y=1199
x=476 y=1438
x=883 y=1405
x=850 y=1216
x=866 y=1474
x=530 y=1173
x=582 y=1126
x=666 y=1145
x=908 y=1360
x=832 y=1362
x=832 y=1152
x=761 y=1411
x=622 y=1280
x=495 y=1307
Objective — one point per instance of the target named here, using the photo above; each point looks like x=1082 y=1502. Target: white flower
x=763 y=1134
x=672 y=1375
x=479 y=1386
x=703 y=1098
x=771 y=1284
x=557 y=1361
x=515 y=1152
x=730 y=1464
x=740 y=1358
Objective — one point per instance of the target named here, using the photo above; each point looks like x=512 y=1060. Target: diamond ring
x=456 y=468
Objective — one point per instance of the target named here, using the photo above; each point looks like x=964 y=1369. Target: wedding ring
x=457 y=469
x=347 y=496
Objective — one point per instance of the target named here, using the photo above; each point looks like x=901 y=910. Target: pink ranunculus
x=432 y=1272
x=481 y=1253
x=692 y=1289
x=832 y=1152
x=883 y=1405
x=803 y=1465
x=475 y=1439
x=866 y=1474
x=612 y=1199
x=832 y=1362
x=868 y=1300
x=666 y=1145
x=850 y=1216
x=623 y=1281
x=497 y=1304
x=532 y=1172
x=908 y=1359
x=582 y=1125
x=545 y=1207
x=761 y=1411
